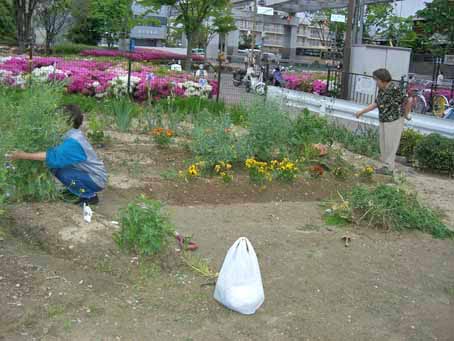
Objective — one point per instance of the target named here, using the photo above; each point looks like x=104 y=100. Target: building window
x=315 y=32
x=276 y=28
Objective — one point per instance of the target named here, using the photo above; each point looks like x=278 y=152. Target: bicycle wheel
x=439 y=105
x=419 y=105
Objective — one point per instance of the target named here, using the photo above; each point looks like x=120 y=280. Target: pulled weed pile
x=389 y=207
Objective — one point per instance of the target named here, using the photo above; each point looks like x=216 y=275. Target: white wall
x=367 y=58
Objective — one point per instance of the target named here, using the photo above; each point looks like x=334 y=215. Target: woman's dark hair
x=382 y=75
x=76 y=117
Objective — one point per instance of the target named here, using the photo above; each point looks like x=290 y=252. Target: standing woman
x=393 y=106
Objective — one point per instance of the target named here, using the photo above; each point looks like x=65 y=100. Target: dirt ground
x=63 y=279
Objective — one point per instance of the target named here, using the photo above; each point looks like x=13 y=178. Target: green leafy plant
x=96 y=128
x=389 y=207
x=144 y=228
x=30 y=121
x=268 y=131
x=435 y=152
x=122 y=110
x=408 y=142
x=213 y=142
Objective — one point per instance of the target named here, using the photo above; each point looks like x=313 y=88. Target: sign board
x=123 y=44
x=365 y=85
x=337 y=18
x=265 y=10
x=132 y=45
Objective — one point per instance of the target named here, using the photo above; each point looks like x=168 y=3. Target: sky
x=406 y=8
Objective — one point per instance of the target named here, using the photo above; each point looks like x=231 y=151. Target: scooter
x=255 y=82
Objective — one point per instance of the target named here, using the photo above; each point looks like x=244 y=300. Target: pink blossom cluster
x=139 y=54
x=94 y=78
x=304 y=81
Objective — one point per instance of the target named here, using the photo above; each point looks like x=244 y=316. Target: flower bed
x=100 y=79
x=304 y=81
x=140 y=54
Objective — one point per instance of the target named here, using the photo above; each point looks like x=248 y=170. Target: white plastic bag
x=88 y=213
x=239 y=286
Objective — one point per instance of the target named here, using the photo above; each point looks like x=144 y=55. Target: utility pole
x=254 y=31
x=347 y=49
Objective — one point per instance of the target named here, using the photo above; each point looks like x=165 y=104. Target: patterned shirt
x=390 y=102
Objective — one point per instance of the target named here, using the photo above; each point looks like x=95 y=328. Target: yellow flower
x=228 y=166
x=193 y=171
x=223 y=174
x=217 y=168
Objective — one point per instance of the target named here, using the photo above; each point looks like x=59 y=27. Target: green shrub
x=308 y=129
x=238 y=114
x=435 y=152
x=86 y=103
x=144 y=228
x=389 y=207
x=364 y=140
x=28 y=122
x=408 y=142
x=269 y=131
x=71 y=48
x=213 y=142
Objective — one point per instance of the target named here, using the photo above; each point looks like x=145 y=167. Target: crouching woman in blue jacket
x=74 y=162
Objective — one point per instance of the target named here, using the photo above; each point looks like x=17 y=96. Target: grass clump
x=144 y=228
x=122 y=110
x=29 y=121
x=389 y=207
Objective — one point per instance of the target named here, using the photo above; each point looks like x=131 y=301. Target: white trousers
x=390 y=133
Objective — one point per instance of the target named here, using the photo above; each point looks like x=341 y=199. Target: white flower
x=42 y=74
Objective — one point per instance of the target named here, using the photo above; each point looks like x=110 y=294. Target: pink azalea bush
x=140 y=54
x=304 y=81
x=93 y=78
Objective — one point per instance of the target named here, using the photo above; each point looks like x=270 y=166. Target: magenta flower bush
x=139 y=54
x=100 y=79
x=304 y=81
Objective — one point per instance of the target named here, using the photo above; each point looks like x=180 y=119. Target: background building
x=294 y=39
x=155 y=34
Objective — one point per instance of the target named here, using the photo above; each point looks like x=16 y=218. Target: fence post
x=30 y=62
x=328 y=81
x=267 y=77
x=129 y=74
x=220 y=58
x=131 y=49
x=452 y=90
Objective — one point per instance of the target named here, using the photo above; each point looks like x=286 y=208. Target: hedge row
x=432 y=151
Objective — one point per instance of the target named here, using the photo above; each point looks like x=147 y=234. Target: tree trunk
x=188 y=62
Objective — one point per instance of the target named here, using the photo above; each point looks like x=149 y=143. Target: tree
x=7 y=23
x=24 y=10
x=191 y=13
x=322 y=19
x=53 y=15
x=220 y=23
x=84 y=29
x=115 y=18
x=438 y=18
x=381 y=23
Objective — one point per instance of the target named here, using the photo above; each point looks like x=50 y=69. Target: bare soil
x=63 y=279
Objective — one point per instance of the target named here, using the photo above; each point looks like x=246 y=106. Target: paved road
x=232 y=94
